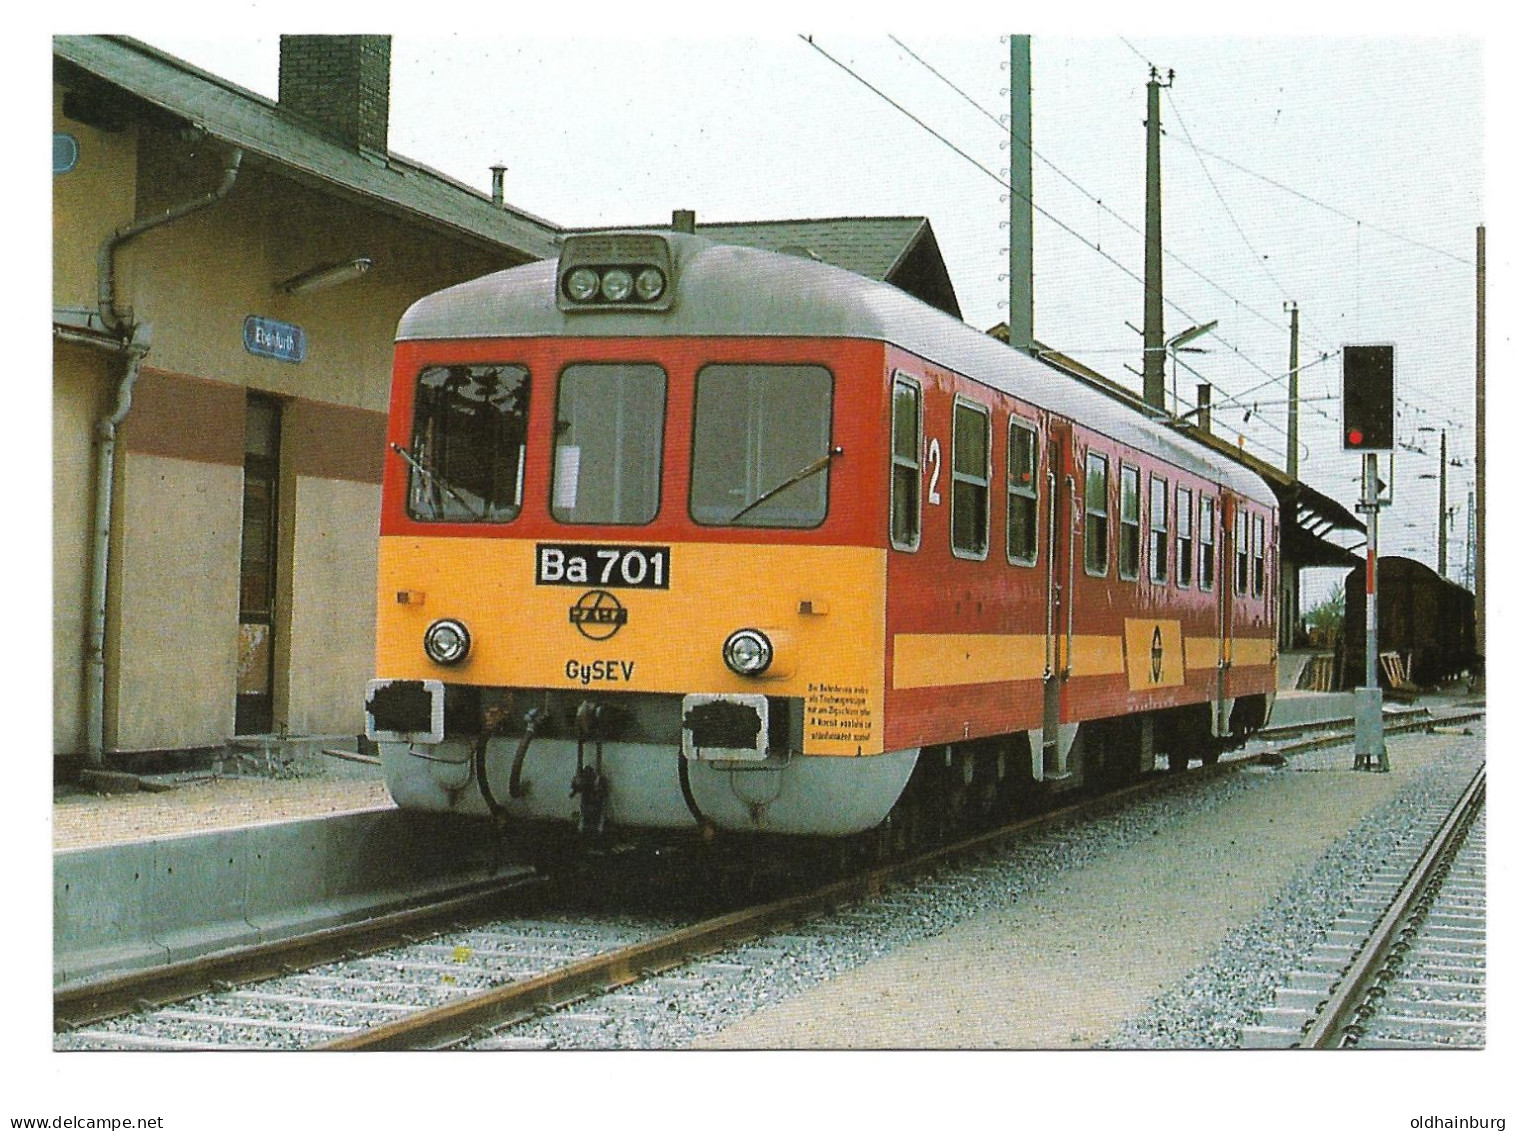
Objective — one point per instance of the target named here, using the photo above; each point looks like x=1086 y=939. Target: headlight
x=649 y=283
x=446 y=642
x=748 y=652
x=616 y=284
x=581 y=284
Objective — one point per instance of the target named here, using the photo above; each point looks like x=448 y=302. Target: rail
x=1335 y=1023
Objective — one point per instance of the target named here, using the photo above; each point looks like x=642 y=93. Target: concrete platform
x=125 y=906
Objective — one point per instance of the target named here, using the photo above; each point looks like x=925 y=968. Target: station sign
x=267 y=337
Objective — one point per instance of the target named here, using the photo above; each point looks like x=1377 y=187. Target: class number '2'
x=934 y=457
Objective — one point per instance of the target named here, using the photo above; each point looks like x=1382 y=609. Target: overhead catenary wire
x=1382 y=230
x=1168 y=253
x=1039 y=209
x=1225 y=207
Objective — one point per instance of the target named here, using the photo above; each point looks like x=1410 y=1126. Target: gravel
x=1234 y=986
x=1206 y=1010
x=697 y=1001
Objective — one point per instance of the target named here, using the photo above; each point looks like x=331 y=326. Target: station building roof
x=120 y=72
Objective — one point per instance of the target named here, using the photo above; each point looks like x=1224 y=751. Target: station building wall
x=173 y=619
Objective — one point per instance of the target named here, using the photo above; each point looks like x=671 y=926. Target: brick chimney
x=341 y=83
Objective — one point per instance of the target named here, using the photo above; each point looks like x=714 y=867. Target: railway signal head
x=1368 y=398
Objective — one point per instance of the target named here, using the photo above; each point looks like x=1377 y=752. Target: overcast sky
x=1345 y=174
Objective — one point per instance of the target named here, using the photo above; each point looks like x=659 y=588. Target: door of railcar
x=1226 y=601
x=1058 y=603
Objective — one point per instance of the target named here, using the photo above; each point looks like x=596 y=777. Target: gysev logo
x=597 y=615
x=1157 y=655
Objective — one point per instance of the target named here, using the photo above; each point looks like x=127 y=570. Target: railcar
x=1425 y=619
x=686 y=536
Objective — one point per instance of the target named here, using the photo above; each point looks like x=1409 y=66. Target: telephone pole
x=1442 y=511
x=1479 y=465
x=1152 y=311
x=1292 y=457
x=1020 y=321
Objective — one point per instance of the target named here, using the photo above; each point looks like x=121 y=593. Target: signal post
x=1368 y=426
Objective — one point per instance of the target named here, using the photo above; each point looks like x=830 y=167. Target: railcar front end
x=633 y=580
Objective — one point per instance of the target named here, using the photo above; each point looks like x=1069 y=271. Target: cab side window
x=905 y=465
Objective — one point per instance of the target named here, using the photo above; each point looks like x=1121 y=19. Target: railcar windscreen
x=607 y=443
x=468 y=445
x=762 y=445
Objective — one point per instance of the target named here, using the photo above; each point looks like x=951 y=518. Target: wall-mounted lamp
x=327 y=275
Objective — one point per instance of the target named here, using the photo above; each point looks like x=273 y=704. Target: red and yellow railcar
x=684 y=535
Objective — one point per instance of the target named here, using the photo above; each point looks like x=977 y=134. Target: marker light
x=616 y=284
x=582 y=284
x=446 y=642
x=747 y=652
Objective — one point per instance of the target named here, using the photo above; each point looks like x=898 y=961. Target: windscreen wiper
x=804 y=473
x=427 y=473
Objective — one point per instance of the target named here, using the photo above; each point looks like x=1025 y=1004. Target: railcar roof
x=723 y=290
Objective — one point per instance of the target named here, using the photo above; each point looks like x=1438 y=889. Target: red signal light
x=1355 y=437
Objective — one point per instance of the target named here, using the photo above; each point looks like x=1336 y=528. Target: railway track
x=416 y=981
x=1403 y=966
x=435 y=981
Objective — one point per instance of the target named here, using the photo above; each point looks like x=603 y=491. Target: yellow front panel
x=821 y=606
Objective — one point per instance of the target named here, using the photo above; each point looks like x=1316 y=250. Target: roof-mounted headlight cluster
x=625 y=285
x=620 y=270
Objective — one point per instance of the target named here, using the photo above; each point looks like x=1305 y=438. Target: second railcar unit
x=683 y=535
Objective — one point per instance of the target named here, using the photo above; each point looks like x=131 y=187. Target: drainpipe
x=135 y=348
x=106 y=260
x=134 y=340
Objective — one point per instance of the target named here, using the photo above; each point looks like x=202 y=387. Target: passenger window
x=1127 y=551
x=1021 y=495
x=1241 y=552
x=1158 y=534
x=1184 y=541
x=905 y=462
x=1207 y=543
x=971 y=480
x=608 y=444
x=1097 y=552
x=1258 y=556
